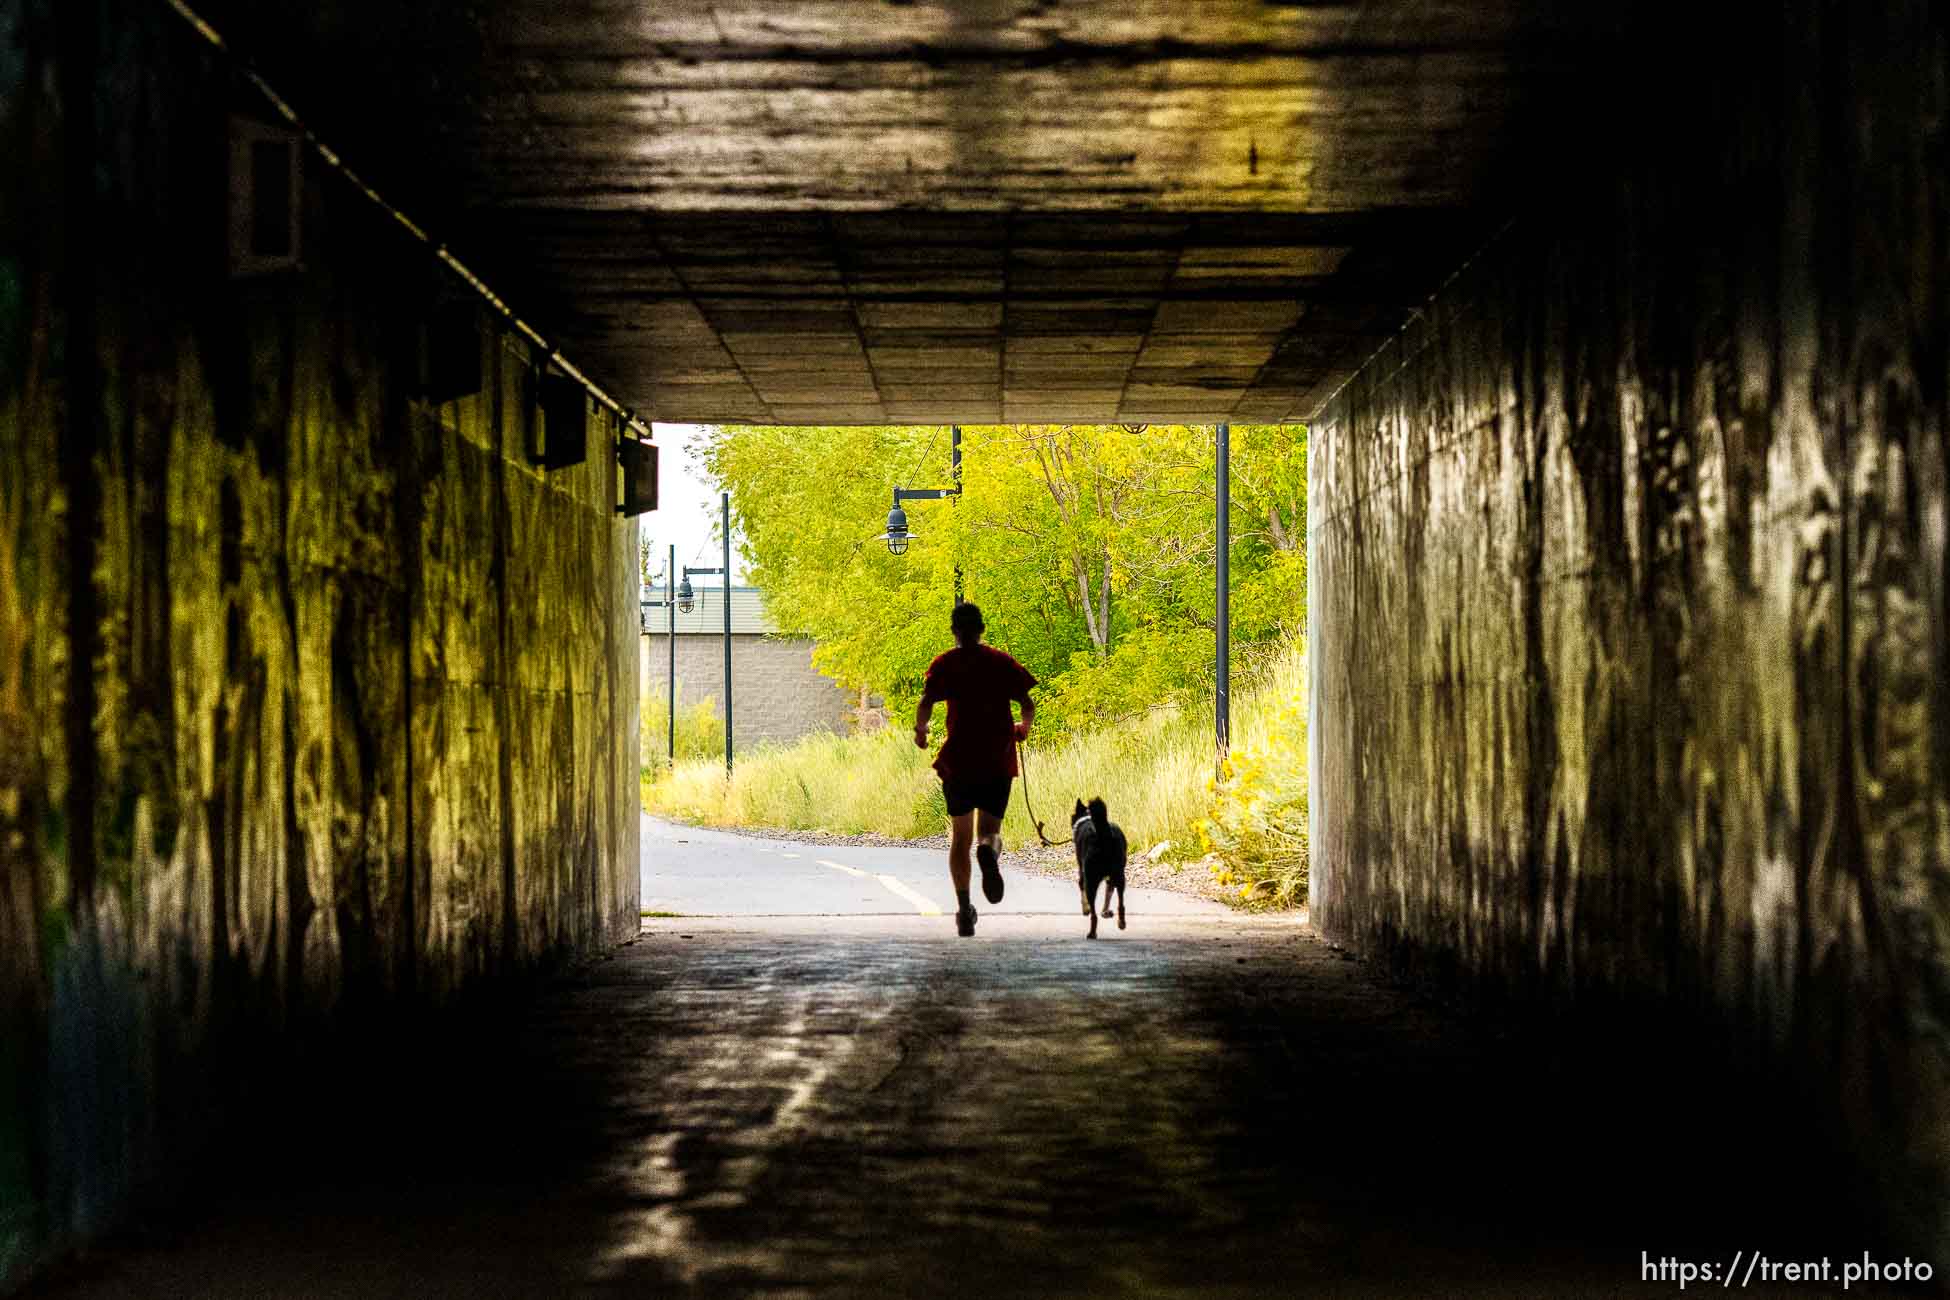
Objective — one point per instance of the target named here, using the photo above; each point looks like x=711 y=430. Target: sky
x=687 y=507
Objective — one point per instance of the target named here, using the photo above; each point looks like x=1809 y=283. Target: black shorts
x=966 y=796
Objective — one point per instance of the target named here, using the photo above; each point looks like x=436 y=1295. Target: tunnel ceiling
x=850 y=211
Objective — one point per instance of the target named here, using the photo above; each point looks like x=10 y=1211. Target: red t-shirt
x=977 y=682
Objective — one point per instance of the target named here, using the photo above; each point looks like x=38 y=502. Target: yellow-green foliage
x=1256 y=821
x=1090 y=548
x=1155 y=771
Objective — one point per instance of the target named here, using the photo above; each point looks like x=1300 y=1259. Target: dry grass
x=700 y=732
x=848 y=785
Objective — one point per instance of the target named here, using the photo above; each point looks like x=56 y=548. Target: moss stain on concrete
x=320 y=758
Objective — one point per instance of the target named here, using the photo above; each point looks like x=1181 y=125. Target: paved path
x=827 y=1105
x=696 y=872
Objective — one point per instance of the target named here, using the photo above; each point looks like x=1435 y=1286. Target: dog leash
x=1027 y=806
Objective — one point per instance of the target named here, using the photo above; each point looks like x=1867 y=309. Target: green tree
x=1089 y=547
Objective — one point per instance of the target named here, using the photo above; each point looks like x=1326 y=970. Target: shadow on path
x=1203 y=1108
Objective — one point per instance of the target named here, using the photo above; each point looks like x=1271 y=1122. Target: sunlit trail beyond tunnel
x=333 y=338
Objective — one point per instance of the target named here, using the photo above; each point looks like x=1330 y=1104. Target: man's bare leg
x=988 y=829
x=961 y=832
x=961 y=837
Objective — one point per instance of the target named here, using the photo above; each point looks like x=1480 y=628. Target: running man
x=977 y=763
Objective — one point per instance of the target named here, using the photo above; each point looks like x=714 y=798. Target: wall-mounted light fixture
x=564 y=405
x=266 y=197
x=637 y=466
x=450 y=353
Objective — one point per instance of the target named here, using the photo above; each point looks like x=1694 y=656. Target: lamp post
x=669 y=604
x=724 y=506
x=687 y=601
x=1224 y=612
x=670 y=608
x=898 y=534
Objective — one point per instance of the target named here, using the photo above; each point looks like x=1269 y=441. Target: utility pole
x=954 y=468
x=724 y=505
x=954 y=464
x=1224 y=618
x=670 y=608
x=687 y=601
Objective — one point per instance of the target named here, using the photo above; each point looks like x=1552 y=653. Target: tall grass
x=1246 y=821
x=877 y=783
x=700 y=731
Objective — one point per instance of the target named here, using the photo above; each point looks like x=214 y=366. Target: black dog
x=1100 y=859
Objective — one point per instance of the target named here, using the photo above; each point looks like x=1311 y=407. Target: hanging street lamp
x=898 y=534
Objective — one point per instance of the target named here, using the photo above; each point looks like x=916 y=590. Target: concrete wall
x=1629 y=604
x=314 y=698
x=776 y=693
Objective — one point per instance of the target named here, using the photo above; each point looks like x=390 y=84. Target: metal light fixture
x=897 y=536
x=267 y=190
x=686 y=598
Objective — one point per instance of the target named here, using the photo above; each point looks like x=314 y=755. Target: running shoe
x=965 y=921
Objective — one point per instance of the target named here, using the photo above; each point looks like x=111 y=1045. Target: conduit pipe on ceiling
x=332 y=159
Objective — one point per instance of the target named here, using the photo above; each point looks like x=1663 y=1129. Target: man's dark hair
x=966 y=622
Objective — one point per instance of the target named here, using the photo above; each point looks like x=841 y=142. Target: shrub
x=1256 y=825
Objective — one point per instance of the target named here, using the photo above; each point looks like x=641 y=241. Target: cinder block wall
x=776 y=693
x=316 y=700
x=1628 y=596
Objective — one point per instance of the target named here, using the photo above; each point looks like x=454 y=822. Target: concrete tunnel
x=1622 y=332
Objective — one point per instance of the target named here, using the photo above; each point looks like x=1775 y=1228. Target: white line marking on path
x=921 y=904
x=841 y=866
x=788 y=855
